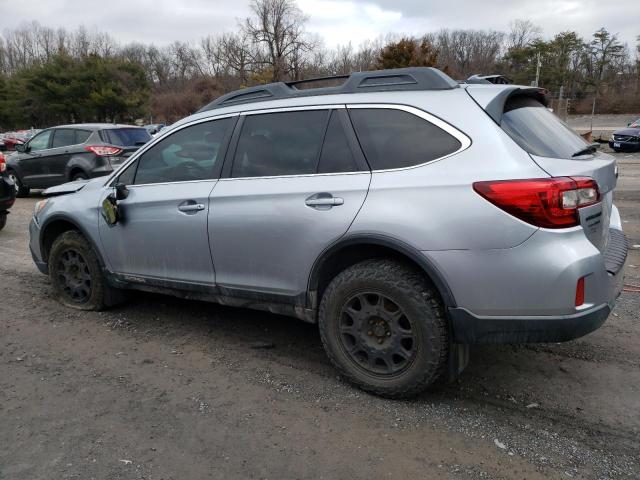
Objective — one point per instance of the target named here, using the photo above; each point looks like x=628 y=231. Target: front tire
x=79 y=176
x=76 y=275
x=383 y=327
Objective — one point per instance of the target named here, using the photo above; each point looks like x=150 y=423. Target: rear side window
x=538 y=131
x=82 y=136
x=393 y=138
x=63 y=137
x=336 y=154
x=275 y=144
x=126 y=137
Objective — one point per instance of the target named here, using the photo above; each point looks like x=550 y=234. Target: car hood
x=71 y=187
x=635 y=132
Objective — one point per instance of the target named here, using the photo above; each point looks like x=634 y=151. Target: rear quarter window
x=392 y=138
x=538 y=131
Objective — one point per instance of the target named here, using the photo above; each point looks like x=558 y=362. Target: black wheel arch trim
x=65 y=218
x=392 y=243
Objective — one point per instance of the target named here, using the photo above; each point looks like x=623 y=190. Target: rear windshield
x=539 y=131
x=126 y=137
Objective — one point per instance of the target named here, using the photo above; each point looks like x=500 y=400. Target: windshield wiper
x=591 y=148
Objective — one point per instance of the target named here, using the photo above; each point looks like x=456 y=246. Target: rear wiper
x=591 y=148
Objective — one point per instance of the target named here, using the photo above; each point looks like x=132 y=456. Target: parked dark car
x=7 y=192
x=626 y=139
x=72 y=152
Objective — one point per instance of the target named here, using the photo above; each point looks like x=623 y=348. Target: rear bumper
x=531 y=293
x=469 y=328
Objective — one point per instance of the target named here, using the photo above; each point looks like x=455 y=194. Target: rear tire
x=3 y=220
x=76 y=275
x=21 y=190
x=79 y=176
x=383 y=327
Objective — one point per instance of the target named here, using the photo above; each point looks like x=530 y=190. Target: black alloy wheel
x=377 y=334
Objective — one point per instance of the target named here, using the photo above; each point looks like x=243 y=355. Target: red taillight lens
x=3 y=164
x=580 y=292
x=543 y=202
x=103 y=151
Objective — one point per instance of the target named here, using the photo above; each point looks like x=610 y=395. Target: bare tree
x=522 y=33
x=278 y=27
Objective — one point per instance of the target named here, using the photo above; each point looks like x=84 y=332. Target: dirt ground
x=162 y=388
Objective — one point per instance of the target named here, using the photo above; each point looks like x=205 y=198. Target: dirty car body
x=514 y=237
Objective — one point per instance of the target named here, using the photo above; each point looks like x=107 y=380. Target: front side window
x=284 y=143
x=63 y=137
x=538 y=131
x=392 y=138
x=40 y=141
x=188 y=154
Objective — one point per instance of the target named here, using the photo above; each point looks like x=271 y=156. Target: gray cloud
x=337 y=21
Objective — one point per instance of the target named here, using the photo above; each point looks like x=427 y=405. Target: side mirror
x=20 y=147
x=109 y=210
x=122 y=191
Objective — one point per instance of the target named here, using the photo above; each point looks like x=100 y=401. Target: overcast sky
x=336 y=21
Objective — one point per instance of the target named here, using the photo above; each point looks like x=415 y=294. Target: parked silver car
x=407 y=215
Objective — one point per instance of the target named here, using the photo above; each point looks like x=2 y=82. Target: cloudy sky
x=336 y=21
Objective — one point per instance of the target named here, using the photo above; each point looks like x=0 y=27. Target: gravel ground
x=162 y=388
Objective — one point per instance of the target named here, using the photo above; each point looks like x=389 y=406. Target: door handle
x=191 y=207
x=323 y=201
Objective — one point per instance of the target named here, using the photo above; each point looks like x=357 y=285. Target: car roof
x=96 y=126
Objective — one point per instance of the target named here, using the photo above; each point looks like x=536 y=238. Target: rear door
x=59 y=154
x=162 y=236
x=295 y=183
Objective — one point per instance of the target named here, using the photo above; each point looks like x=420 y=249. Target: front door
x=296 y=184
x=34 y=161
x=162 y=234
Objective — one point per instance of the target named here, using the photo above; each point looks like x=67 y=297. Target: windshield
x=126 y=137
x=539 y=131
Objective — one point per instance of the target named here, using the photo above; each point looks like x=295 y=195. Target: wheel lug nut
x=369 y=333
x=388 y=334
x=379 y=340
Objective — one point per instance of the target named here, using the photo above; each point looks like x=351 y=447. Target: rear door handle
x=191 y=207
x=323 y=201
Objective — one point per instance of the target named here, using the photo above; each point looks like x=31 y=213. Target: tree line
x=50 y=76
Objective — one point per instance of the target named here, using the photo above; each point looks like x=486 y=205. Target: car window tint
x=538 y=131
x=128 y=175
x=336 y=155
x=393 y=138
x=63 y=137
x=274 y=144
x=40 y=141
x=126 y=137
x=188 y=154
x=82 y=136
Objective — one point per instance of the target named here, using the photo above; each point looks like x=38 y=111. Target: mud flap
x=457 y=361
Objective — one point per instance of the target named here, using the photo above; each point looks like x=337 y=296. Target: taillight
x=103 y=151
x=3 y=164
x=543 y=202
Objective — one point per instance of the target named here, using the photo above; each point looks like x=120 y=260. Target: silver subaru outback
x=409 y=216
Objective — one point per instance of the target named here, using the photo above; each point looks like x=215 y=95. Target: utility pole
x=538 y=65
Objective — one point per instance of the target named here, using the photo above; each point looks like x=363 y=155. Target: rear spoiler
x=495 y=107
